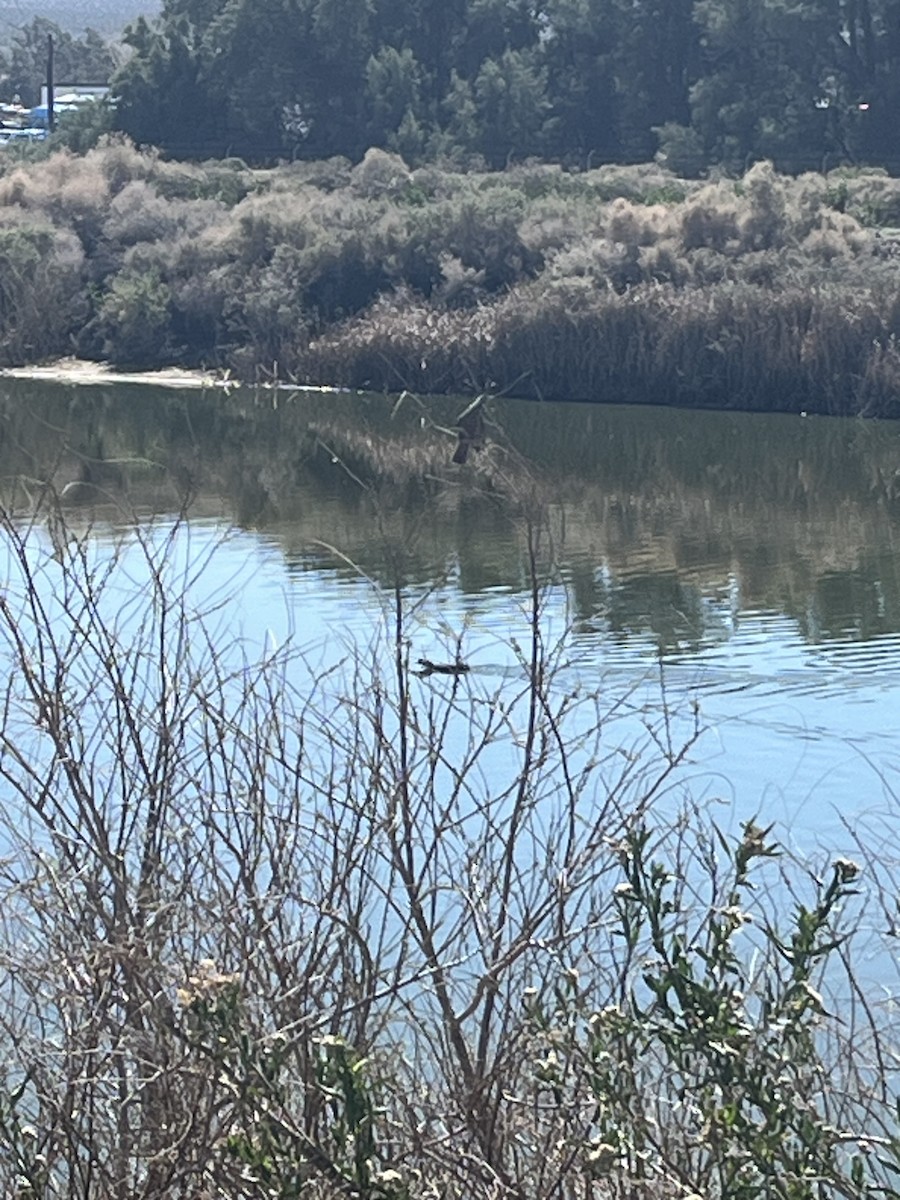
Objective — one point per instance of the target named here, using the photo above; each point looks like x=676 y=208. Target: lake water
x=211 y=611
x=746 y=564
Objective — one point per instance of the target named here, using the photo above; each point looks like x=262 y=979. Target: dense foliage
x=578 y=81
x=626 y=283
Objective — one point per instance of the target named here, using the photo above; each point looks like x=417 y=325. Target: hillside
x=106 y=16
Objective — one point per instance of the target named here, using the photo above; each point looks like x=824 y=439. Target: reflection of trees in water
x=659 y=603
x=656 y=515
x=857 y=605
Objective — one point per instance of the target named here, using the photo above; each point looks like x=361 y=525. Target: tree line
x=581 y=82
x=576 y=81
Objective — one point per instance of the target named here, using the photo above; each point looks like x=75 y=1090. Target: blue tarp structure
x=39 y=116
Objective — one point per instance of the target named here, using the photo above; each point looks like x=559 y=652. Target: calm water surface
x=749 y=564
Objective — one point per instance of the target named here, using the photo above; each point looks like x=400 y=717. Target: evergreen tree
x=577 y=46
x=806 y=82
x=657 y=60
x=162 y=96
x=511 y=103
x=868 y=113
x=393 y=92
x=756 y=94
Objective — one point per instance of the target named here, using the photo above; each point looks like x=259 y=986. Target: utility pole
x=51 y=122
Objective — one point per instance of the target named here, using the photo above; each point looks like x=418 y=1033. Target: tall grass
x=734 y=346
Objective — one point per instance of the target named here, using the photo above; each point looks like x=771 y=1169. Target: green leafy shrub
x=41 y=288
x=264 y=1141
x=266 y=320
x=640 y=183
x=680 y=150
x=870 y=195
x=83 y=129
x=324 y=174
x=705 y=1073
x=226 y=181
x=133 y=318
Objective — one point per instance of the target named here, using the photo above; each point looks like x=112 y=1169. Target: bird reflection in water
x=470 y=430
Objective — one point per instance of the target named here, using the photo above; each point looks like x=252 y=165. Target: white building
x=73 y=93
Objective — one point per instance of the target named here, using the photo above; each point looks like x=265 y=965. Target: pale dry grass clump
x=401 y=343
x=759 y=230
x=65 y=189
x=603 y=262
x=709 y=220
x=120 y=162
x=837 y=237
x=637 y=224
x=550 y=226
x=765 y=211
x=138 y=213
x=380 y=174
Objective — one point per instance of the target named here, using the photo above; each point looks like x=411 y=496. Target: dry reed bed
x=823 y=350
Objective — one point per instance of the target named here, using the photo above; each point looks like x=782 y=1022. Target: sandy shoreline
x=75 y=370
x=82 y=371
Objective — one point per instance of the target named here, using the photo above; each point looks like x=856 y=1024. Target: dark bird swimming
x=433 y=668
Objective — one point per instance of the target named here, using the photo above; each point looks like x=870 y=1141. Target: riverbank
x=79 y=371
x=622 y=284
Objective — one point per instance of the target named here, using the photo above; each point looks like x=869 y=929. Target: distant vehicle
x=21 y=135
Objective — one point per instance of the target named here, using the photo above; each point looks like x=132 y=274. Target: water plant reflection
x=662 y=520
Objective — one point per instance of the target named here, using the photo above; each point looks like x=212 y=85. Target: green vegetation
x=622 y=283
x=487 y=83
x=580 y=82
